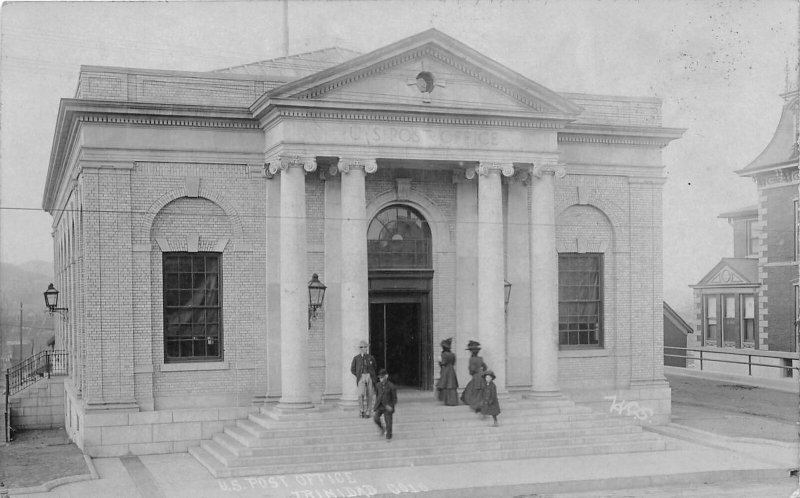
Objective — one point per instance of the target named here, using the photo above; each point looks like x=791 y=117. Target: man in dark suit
x=363 y=367
x=385 y=400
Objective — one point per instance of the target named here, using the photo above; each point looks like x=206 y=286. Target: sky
x=718 y=66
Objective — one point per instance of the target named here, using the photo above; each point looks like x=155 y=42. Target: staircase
x=425 y=433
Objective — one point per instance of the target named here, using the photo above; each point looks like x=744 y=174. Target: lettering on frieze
x=406 y=135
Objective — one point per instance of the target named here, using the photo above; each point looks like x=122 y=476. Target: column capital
x=484 y=168
x=521 y=175
x=540 y=169
x=282 y=163
x=348 y=163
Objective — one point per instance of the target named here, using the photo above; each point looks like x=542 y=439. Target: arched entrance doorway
x=400 y=275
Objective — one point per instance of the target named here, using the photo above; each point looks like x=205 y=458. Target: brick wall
x=777 y=267
x=228 y=215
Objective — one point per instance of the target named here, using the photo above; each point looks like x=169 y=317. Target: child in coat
x=490 y=405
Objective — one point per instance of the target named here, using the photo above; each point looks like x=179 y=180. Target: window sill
x=582 y=353
x=194 y=366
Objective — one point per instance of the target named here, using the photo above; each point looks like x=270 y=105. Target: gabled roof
x=782 y=149
x=294 y=66
x=731 y=272
x=443 y=49
x=676 y=319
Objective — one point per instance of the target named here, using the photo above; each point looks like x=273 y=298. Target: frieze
x=782 y=176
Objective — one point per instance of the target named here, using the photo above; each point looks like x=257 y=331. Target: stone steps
x=241 y=444
x=425 y=433
x=252 y=437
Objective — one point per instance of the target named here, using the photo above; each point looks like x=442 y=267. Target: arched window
x=399 y=238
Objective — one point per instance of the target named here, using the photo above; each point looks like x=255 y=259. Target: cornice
x=73 y=113
x=772 y=168
x=167 y=121
x=398 y=114
x=619 y=135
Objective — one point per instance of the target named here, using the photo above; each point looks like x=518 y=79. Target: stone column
x=355 y=292
x=491 y=304
x=466 y=278
x=294 y=281
x=518 y=273
x=544 y=281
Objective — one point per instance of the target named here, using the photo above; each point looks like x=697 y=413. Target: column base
x=288 y=407
x=348 y=404
x=543 y=394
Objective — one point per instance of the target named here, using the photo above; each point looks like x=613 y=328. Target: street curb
x=532 y=490
x=49 y=485
x=710 y=438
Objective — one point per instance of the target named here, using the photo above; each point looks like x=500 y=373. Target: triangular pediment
x=432 y=70
x=732 y=272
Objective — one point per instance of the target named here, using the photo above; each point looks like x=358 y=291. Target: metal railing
x=39 y=366
x=750 y=354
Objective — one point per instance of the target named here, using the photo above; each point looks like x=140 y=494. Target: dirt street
x=734 y=409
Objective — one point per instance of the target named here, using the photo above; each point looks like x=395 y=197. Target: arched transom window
x=399 y=238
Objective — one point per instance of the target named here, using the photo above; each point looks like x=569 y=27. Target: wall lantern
x=316 y=295
x=51 y=301
x=506 y=291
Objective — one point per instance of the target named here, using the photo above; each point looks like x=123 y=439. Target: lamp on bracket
x=316 y=296
x=51 y=301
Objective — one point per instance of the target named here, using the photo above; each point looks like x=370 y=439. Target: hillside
x=25 y=283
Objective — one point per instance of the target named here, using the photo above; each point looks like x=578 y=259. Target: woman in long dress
x=473 y=393
x=447 y=387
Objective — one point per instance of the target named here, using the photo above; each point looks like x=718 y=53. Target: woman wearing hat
x=447 y=387
x=490 y=404
x=473 y=393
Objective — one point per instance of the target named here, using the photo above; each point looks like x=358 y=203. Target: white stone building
x=191 y=209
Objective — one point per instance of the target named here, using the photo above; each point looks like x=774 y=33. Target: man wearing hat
x=363 y=367
x=385 y=401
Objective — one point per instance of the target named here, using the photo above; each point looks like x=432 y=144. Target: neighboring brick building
x=677 y=335
x=751 y=300
x=191 y=209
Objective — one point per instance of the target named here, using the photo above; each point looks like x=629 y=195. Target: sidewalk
x=179 y=475
x=714 y=454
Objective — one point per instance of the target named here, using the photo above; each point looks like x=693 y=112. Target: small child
x=490 y=405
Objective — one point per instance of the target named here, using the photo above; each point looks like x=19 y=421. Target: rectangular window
x=730 y=333
x=580 y=299
x=749 y=319
x=797 y=230
x=752 y=238
x=710 y=320
x=192 y=306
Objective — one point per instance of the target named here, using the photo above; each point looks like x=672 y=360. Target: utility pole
x=286 y=28
x=20 y=332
